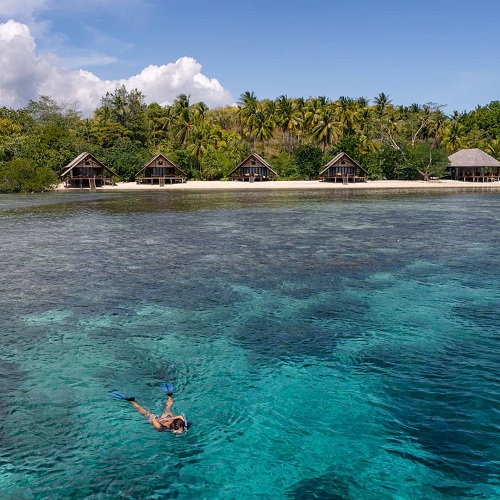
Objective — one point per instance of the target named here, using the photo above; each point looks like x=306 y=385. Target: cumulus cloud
x=25 y=75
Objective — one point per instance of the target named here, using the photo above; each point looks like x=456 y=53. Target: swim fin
x=168 y=388
x=119 y=395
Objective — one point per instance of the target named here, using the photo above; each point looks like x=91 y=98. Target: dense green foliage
x=22 y=176
x=296 y=136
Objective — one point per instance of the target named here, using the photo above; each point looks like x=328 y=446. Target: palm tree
x=181 y=102
x=381 y=102
x=262 y=125
x=287 y=118
x=362 y=102
x=200 y=110
x=168 y=120
x=247 y=107
x=201 y=137
x=247 y=99
x=314 y=109
x=367 y=145
x=121 y=109
x=493 y=148
x=103 y=115
x=183 y=125
x=453 y=137
x=300 y=105
x=346 y=109
x=327 y=128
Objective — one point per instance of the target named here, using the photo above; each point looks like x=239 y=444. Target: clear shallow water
x=324 y=345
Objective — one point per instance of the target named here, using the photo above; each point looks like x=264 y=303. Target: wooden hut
x=253 y=168
x=160 y=170
x=85 y=171
x=344 y=169
x=473 y=165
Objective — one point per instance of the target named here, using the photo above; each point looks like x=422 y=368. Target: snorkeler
x=167 y=421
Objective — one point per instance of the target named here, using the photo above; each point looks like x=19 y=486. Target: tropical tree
x=453 y=137
x=23 y=176
x=493 y=148
x=200 y=110
x=426 y=160
x=128 y=109
x=201 y=139
x=181 y=102
x=309 y=159
x=262 y=125
x=183 y=125
x=288 y=119
x=313 y=111
x=382 y=101
x=327 y=129
x=346 y=109
x=247 y=108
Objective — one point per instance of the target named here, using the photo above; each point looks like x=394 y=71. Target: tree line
x=296 y=135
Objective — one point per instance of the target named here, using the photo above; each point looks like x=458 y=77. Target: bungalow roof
x=81 y=157
x=160 y=155
x=472 y=158
x=256 y=157
x=338 y=158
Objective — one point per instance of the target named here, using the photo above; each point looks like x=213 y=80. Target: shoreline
x=306 y=185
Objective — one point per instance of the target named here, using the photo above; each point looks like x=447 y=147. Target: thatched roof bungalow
x=473 y=165
x=253 y=168
x=344 y=169
x=86 y=171
x=160 y=170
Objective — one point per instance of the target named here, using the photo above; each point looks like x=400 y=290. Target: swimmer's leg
x=147 y=414
x=168 y=406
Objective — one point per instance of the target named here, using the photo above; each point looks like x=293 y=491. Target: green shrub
x=22 y=176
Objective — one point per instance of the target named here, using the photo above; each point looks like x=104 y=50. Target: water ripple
x=322 y=345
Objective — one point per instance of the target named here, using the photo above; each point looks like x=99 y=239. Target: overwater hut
x=253 y=168
x=344 y=169
x=473 y=165
x=86 y=171
x=160 y=170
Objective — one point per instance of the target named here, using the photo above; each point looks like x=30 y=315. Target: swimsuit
x=170 y=415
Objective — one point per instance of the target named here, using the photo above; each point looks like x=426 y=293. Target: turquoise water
x=323 y=344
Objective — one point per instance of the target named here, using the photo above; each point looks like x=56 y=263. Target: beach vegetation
x=297 y=136
x=23 y=176
x=309 y=159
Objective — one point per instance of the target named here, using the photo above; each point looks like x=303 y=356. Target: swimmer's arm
x=145 y=413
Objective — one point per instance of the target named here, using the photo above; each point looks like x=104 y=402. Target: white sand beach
x=315 y=184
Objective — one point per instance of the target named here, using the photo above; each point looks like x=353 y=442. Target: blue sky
x=426 y=51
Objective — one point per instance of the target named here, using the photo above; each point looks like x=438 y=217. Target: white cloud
x=25 y=75
x=162 y=84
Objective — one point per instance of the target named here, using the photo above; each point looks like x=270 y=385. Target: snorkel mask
x=184 y=427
